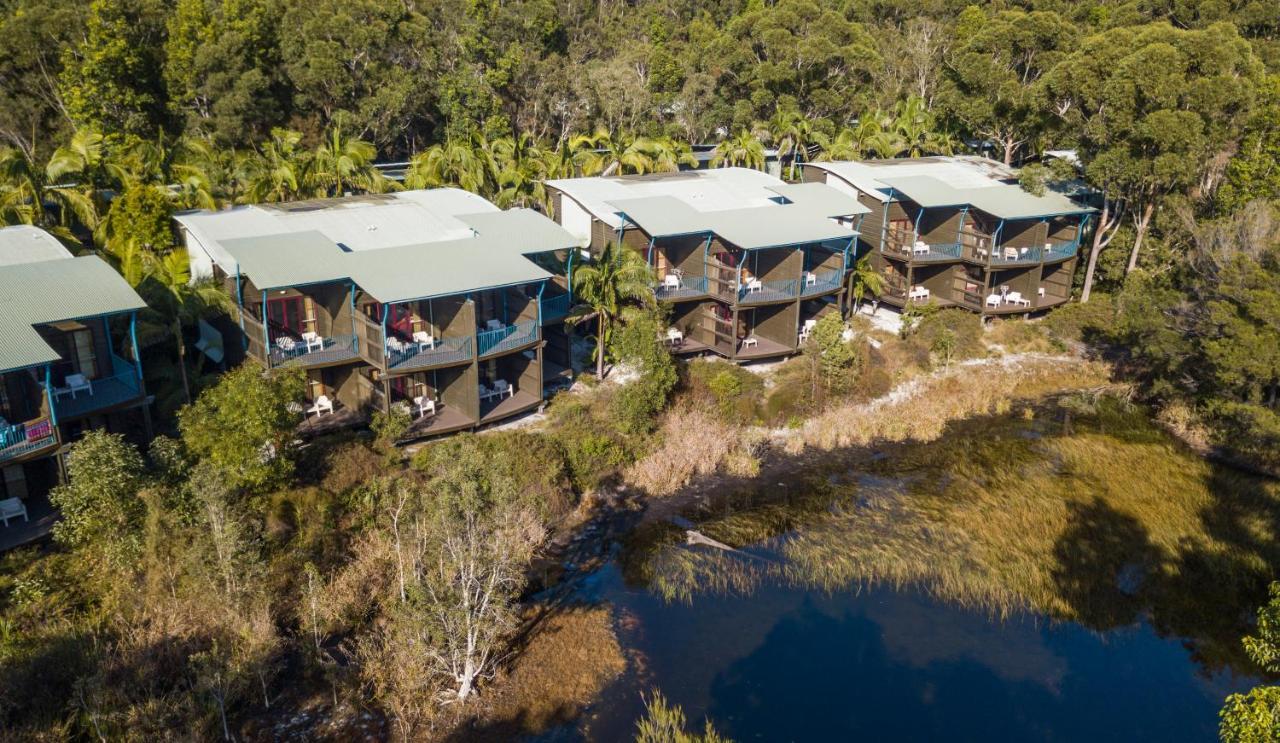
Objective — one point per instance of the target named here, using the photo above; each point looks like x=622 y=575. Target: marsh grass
x=1097 y=518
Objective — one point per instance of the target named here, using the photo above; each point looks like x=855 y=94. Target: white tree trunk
x=1141 y=223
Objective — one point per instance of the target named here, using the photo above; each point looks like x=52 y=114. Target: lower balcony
x=497 y=407
x=23 y=440
x=79 y=396
x=757 y=347
x=756 y=291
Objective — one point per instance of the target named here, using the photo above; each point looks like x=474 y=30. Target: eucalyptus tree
x=1155 y=113
x=992 y=81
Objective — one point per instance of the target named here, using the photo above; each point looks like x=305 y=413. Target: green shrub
x=730 y=389
x=1075 y=321
x=636 y=406
x=950 y=334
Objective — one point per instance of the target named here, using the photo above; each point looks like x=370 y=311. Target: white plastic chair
x=671 y=281
x=425 y=340
x=993 y=300
x=12 y=508
x=425 y=404
x=322 y=405
x=314 y=341
x=502 y=389
x=77 y=383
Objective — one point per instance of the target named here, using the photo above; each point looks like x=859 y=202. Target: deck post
x=266 y=332
x=648 y=255
x=541 y=285
x=244 y=340
x=1080 y=225
x=915 y=227
x=386 y=310
x=964 y=212
x=48 y=393
x=355 y=339
x=995 y=240
x=884 y=220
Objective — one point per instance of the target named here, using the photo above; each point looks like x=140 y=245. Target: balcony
x=755 y=291
x=416 y=356
x=821 y=282
x=1060 y=251
x=1011 y=256
x=555 y=308
x=288 y=351
x=120 y=387
x=22 y=439
x=502 y=338
x=683 y=287
x=923 y=252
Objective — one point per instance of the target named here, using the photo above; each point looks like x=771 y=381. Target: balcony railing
x=320 y=351
x=1060 y=251
x=821 y=282
x=506 y=338
x=555 y=308
x=922 y=252
x=687 y=288
x=1012 y=256
x=119 y=387
x=768 y=291
x=417 y=355
x=21 y=439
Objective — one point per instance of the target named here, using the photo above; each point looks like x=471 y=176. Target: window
x=284 y=315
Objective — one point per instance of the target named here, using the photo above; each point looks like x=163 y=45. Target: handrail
x=556 y=307
x=456 y=348
x=506 y=337
x=693 y=284
x=21 y=438
x=824 y=281
x=785 y=287
x=1022 y=255
x=1058 y=250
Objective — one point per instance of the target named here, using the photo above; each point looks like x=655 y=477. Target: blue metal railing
x=120 y=386
x=555 y=308
x=938 y=252
x=1058 y=251
x=445 y=350
x=768 y=290
x=23 y=438
x=505 y=338
x=333 y=347
x=822 y=282
x=691 y=286
x=1005 y=256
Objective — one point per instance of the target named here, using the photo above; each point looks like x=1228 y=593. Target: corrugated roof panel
x=289 y=259
x=51 y=291
x=820 y=199
x=440 y=269
x=26 y=244
x=521 y=231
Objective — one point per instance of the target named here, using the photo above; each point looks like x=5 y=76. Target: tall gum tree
x=1155 y=107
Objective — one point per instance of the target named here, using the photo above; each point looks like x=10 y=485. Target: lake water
x=766 y=655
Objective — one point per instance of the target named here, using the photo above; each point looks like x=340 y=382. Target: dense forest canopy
x=406 y=74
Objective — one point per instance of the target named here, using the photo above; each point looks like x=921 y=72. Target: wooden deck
x=41 y=516
x=445 y=420
x=496 y=410
x=434 y=358
x=341 y=418
x=763 y=349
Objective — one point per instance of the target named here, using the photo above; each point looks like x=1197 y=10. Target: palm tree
x=792 y=133
x=606 y=288
x=918 y=130
x=170 y=292
x=520 y=166
x=667 y=154
x=341 y=163
x=26 y=191
x=608 y=153
x=452 y=163
x=743 y=149
x=864 y=281
x=278 y=170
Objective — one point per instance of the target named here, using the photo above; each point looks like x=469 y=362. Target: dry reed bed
x=921 y=408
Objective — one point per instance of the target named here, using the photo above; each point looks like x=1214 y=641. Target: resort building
x=432 y=301
x=747 y=262
x=959 y=232
x=68 y=356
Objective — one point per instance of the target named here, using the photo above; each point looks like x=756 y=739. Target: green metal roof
x=750 y=228
x=289 y=259
x=51 y=291
x=820 y=199
x=1003 y=201
x=26 y=244
x=519 y=231
x=440 y=269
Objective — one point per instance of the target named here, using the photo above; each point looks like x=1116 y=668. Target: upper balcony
x=282 y=346
x=79 y=396
x=820 y=281
x=21 y=441
x=498 y=337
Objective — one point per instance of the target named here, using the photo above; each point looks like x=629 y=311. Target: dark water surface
x=789 y=664
x=772 y=659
